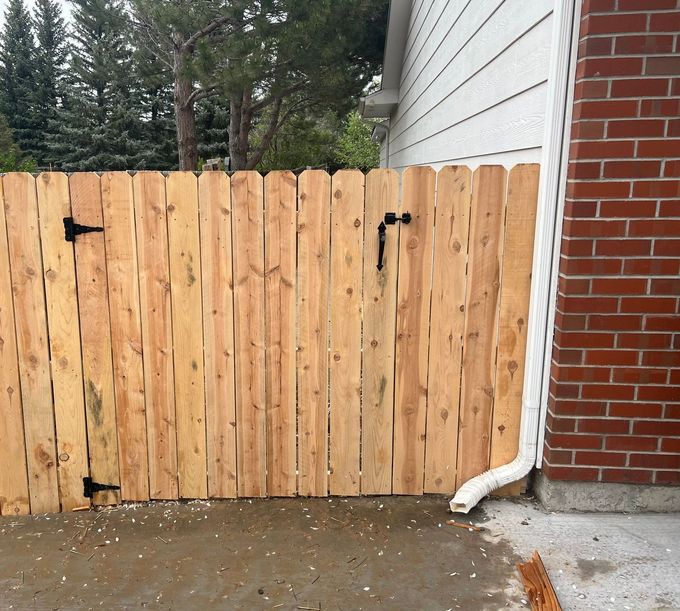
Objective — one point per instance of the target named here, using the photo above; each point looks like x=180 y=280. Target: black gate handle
x=390 y=219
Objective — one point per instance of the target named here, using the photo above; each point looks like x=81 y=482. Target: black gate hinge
x=71 y=229
x=90 y=487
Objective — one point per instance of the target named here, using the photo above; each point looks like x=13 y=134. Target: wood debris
x=537 y=585
x=477 y=529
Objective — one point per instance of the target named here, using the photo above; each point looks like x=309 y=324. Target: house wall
x=473 y=83
x=614 y=406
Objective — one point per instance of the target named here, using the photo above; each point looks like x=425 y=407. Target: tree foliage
x=11 y=159
x=355 y=147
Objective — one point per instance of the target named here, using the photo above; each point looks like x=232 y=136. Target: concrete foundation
x=604 y=497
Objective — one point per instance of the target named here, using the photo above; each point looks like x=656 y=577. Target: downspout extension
x=546 y=256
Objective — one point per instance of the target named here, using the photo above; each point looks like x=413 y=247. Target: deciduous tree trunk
x=185 y=119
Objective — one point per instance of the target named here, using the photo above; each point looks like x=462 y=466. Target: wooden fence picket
x=156 y=320
x=280 y=195
x=347 y=219
x=379 y=303
x=313 y=244
x=95 y=334
x=13 y=475
x=481 y=320
x=413 y=318
x=218 y=332
x=234 y=336
x=126 y=334
x=23 y=236
x=251 y=423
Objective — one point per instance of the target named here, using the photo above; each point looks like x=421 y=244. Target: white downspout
x=545 y=262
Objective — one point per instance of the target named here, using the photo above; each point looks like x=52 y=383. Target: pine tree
x=212 y=128
x=99 y=125
x=50 y=56
x=17 y=76
x=10 y=155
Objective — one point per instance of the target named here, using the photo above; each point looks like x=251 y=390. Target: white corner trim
x=552 y=187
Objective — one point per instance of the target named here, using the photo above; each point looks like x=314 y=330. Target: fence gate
x=174 y=336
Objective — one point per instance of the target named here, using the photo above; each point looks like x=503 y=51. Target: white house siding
x=473 y=83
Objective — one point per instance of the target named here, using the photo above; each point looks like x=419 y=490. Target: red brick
x=588 y=90
x=633 y=88
x=632 y=45
x=661 y=108
x=632 y=169
x=663 y=65
x=598 y=6
x=568 y=357
x=668 y=248
x=630 y=443
x=581 y=474
x=666 y=286
x=560 y=425
x=651 y=267
x=646 y=5
x=636 y=409
x=659 y=393
x=627 y=208
x=659 y=358
x=672 y=412
x=664 y=22
x=604 y=459
x=659 y=428
x=619 y=286
x=589 y=47
x=611 y=357
x=667 y=477
x=671 y=445
x=669 y=208
x=603 y=149
x=557 y=457
x=674 y=377
x=577 y=248
x=605 y=109
x=662 y=323
x=594 y=228
x=625 y=248
x=583 y=374
x=673 y=130
x=567 y=407
x=643 y=341
x=654 y=227
x=585 y=170
x=587 y=130
x=641 y=375
x=575 y=339
x=655 y=461
x=573 y=286
x=608 y=391
x=580 y=209
x=587 y=305
x=647 y=305
x=614 y=323
x=575 y=442
x=616 y=22
x=656 y=188
x=566 y=391
x=603 y=425
x=627 y=476
x=568 y=322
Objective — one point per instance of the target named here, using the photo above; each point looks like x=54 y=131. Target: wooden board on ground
x=13 y=479
x=347 y=219
x=156 y=318
x=481 y=321
x=126 y=334
x=95 y=335
x=280 y=192
x=539 y=589
x=247 y=192
x=522 y=195
x=379 y=303
x=314 y=194
x=413 y=317
x=218 y=331
x=187 y=332
x=23 y=236
x=447 y=318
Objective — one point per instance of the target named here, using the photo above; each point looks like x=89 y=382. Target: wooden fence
x=232 y=336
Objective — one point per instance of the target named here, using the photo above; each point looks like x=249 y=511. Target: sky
x=65 y=7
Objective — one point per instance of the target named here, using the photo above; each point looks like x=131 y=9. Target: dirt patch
x=391 y=553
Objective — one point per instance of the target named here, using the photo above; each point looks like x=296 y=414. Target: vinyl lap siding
x=473 y=83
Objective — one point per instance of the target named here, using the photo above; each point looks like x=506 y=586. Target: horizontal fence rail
x=168 y=336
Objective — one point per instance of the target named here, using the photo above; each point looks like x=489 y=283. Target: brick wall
x=614 y=408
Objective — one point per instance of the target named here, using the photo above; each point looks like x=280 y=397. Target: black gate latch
x=390 y=219
x=90 y=487
x=71 y=229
